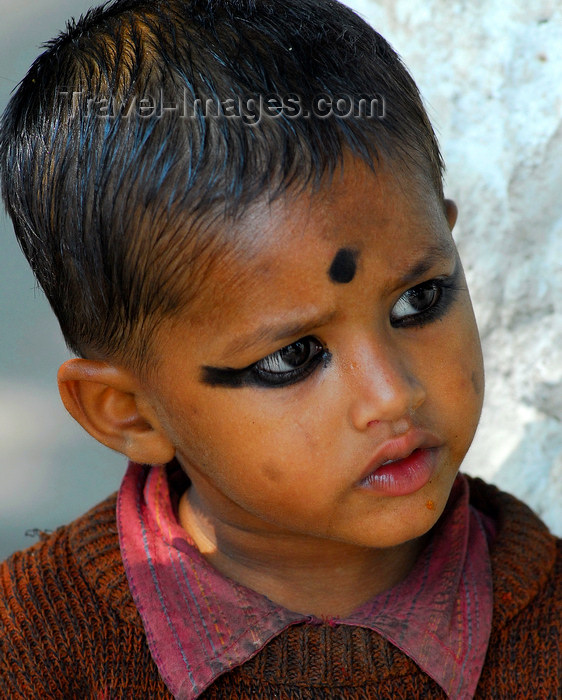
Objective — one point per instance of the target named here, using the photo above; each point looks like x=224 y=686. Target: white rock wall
x=491 y=75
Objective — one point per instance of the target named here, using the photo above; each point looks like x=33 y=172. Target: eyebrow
x=275 y=333
x=436 y=253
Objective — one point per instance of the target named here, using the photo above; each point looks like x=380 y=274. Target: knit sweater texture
x=69 y=627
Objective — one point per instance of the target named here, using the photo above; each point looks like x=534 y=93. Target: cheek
x=240 y=436
x=474 y=364
x=464 y=379
x=272 y=473
x=477 y=380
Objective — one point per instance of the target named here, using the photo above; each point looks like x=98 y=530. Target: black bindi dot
x=344 y=266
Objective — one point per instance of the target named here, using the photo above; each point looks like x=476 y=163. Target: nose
x=383 y=385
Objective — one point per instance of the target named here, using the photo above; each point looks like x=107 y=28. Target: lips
x=402 y=465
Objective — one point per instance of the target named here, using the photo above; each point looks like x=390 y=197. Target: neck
x=309 y=575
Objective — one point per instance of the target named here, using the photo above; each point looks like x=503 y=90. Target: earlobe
x=451 y=212
x=109 y=404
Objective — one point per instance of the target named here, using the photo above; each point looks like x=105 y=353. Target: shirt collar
x=200 y=624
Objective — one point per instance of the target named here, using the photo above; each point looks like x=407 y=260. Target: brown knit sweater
x=69 y=628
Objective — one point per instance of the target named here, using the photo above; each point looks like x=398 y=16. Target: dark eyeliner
x=447 y=288
x=253 y=376
x=272 y=380
x=225 y=376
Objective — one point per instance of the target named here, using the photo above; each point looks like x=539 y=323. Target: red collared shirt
x=200 y=624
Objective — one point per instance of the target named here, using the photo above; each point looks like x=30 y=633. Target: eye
x=286 y=366
x=415 y=301
x=289 y=364
x=424 y=303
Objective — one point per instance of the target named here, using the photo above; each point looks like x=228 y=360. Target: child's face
x=289 y=441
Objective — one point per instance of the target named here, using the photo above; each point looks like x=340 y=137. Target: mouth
x=402 y=466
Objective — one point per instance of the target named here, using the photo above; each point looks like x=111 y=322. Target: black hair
x=148 y=124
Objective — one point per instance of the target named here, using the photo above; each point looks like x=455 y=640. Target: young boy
x=235 y=209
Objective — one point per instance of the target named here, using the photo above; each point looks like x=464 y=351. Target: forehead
x=390 y=215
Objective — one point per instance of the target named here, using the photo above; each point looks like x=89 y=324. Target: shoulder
x=76 y=561
x=525 y=555
x=524 y=656
x=61 y=602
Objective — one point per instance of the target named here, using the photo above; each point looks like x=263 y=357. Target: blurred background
x=489 y=72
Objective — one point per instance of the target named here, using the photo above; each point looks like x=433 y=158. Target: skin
x=275 y=501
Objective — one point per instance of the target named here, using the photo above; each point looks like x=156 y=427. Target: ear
x=451 y=212
x=109 y=403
